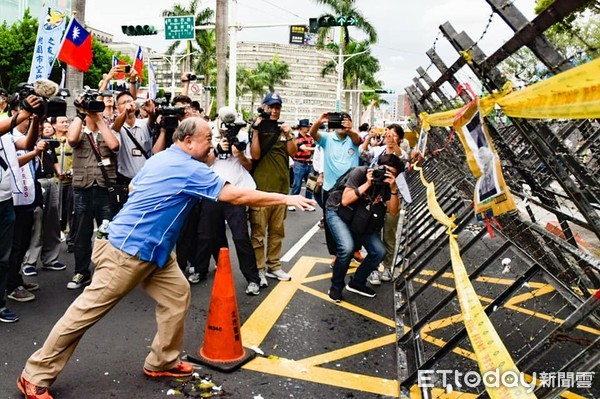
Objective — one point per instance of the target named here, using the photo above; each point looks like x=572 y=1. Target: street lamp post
x=339 y=68
x=173 y=61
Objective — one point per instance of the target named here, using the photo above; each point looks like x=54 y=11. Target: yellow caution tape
x=492 y=355
x=573 y=94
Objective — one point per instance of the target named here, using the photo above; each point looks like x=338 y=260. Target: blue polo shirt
x=339 y=156
x=164 y=191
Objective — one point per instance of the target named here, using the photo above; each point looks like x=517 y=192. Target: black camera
x=334 y=119
x=232 y=127
x=170 y=114
x=379 y=175
x=52 y=143
x=191 y=76
x=263 y=114
x=50 y=106
x=89 y=101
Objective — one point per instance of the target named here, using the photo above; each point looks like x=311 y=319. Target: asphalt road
x=108 y=361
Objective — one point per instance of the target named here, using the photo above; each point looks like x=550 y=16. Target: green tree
x=265 y=76
x=16 y=51
x=576 y=38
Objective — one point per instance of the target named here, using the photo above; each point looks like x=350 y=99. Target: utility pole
x=74 y=81
x=221 y=26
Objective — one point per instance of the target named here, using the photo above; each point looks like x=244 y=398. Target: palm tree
x=264 y=76
x=202 y=17
x=275 y=72
x=358 y=70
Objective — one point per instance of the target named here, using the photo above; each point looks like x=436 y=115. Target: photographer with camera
x=135 y=137
x=355 y=212
x=19 y=195
x=232 y=165
x=271 y=146
x=169 y=117
x=340 y=154
x=394 y=134
x=303 y=160
x=91 y=140
x=45 y=236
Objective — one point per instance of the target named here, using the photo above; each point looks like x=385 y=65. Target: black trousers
x=211 y=237
x=20 y=244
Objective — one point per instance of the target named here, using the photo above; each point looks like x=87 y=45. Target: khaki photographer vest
x=85 y=164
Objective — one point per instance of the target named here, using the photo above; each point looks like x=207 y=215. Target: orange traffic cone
x=222 y=349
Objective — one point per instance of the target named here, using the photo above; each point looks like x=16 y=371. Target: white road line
x=298 y=246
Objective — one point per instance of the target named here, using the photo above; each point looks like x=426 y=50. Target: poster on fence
x=492 y=197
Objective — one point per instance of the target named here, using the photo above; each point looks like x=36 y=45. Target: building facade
x=305 y=93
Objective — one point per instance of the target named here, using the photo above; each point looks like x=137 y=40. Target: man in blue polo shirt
x=340 y=154
x=139 y=249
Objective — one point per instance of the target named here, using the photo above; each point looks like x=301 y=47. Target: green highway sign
x=180 y=28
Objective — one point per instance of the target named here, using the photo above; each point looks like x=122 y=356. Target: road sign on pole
x=180 y=28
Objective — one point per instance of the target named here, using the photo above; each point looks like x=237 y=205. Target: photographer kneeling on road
x=139 y=249
x=355 y=213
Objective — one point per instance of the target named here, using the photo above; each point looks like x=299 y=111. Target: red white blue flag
x=76 y=49
x=138 y=63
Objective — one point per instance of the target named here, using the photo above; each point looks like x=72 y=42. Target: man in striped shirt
x=303 y=160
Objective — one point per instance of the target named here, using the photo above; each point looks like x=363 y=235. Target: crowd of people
x=168 y=189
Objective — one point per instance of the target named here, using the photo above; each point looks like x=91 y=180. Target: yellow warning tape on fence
x=492 y=356
x=573 y=94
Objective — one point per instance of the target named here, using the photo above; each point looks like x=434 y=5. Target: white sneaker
x=310 y=208
x=194 y=278
x=292 y=208
x=386 y=275
x=373 y=278
x=278 y=274
x=263 y=279
x=253 y=289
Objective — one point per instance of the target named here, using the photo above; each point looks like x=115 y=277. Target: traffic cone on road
x=222 y=349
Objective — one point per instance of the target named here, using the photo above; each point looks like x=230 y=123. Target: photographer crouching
x=355 y=212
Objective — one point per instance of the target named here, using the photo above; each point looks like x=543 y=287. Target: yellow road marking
x=262 y=320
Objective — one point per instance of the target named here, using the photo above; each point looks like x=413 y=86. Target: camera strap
x=136 y=143
x=100 y=164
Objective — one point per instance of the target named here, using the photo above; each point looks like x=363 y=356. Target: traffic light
x=139 y=30
x=327 y=21
x=385 y=91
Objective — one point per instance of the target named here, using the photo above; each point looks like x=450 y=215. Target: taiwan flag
x=138 y=63
x=76 y=49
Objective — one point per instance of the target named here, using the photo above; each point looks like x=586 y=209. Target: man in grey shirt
x=131 y=156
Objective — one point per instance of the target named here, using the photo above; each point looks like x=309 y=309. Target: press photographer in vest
x=355 y=212
x=95 y=149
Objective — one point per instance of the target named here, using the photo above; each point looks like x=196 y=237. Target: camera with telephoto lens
x=334 y=119
x=232 y=127
x=89 y=100
x=170 y=114
x=45 y=90
x=379 y=175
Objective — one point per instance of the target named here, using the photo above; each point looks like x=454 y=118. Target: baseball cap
x=3 y=92
x=272 y=98
x=304 y=123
